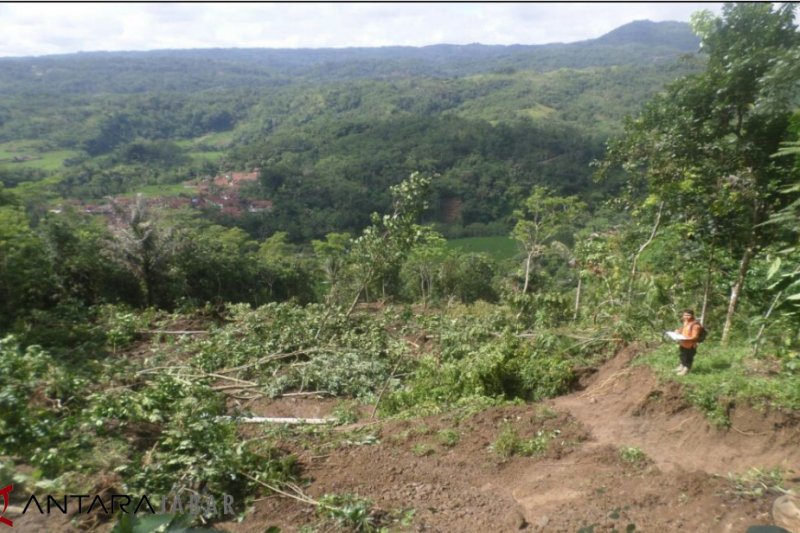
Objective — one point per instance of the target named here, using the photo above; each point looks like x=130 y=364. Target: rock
x=513 y=521
x=519 y=520
x=786 y=512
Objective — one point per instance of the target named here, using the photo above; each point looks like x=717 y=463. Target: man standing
x=688 y=348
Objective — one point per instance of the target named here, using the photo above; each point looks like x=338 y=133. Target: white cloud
x=37 y=29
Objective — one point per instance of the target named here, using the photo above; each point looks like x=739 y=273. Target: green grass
x=219 y=139
x=41 y=158
x=197 y=147
x=21 y=147
x=47 y=160
x=509 y=443
x=448 y=437
x=757 y=482
x=724 y=376
x=212 y=156
x=538 y=111
x=500 y=248
x=422 y=450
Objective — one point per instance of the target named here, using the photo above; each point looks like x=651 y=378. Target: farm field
x=499 y=248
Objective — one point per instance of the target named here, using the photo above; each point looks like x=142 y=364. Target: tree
x=74 y=242
x=331 y=256
x=145 y=248
x=26 y=279
x=377 y=254
x=541 y=218
x=216 y=264
x=703 y=148
x=785 y=269
x=423 y=263
x=284 y=272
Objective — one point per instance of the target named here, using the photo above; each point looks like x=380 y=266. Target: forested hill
x=639 y=43
x=332 y=130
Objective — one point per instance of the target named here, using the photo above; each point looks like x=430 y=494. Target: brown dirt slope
x=676 y=481
x=626 y=405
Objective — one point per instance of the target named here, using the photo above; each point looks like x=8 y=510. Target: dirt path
x=626 y=406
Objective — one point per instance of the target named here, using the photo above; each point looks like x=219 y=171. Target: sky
x=29 y=29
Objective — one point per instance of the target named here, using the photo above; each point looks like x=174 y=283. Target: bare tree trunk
x=757 y=345
x=707 y=287
x=641 y=249
x=527 y=272
x=736 y=291
x=355 y=301
x=422 y=290
x=148 y=280
x=578 y=299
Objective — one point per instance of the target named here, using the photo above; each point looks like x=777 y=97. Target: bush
x=349 y=512
x=474 y=362
x=186 y=442
x=540 y=309
x=37 y=399
x=468 y=277
x=509 y=443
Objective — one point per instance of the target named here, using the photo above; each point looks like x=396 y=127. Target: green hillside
x=331 y=131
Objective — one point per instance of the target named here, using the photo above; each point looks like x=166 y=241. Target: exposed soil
x=678 y=482
x=627 y=406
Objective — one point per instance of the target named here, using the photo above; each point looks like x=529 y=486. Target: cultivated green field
x=45 y=160
x=32 y=154
x=210 y=147
x=212 y=156
x=500 y=248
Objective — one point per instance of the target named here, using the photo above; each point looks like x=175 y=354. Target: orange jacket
x=688 y=330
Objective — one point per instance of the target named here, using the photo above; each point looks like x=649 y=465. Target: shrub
x=509 y=443
x=190 y=446
x=632 y=455
x=449 y=437
x=476 y=364
x=349 y=511
x=37 y=398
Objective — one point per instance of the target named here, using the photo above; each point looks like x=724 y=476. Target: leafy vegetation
x=509 y=443
x=632 y=455
x=756 y=482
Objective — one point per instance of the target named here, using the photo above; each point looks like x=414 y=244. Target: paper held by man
x=677 y=337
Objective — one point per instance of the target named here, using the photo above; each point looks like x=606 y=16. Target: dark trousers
x=687 y=356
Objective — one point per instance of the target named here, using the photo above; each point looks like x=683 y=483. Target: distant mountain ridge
x=677 y=34
x=637 y=43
